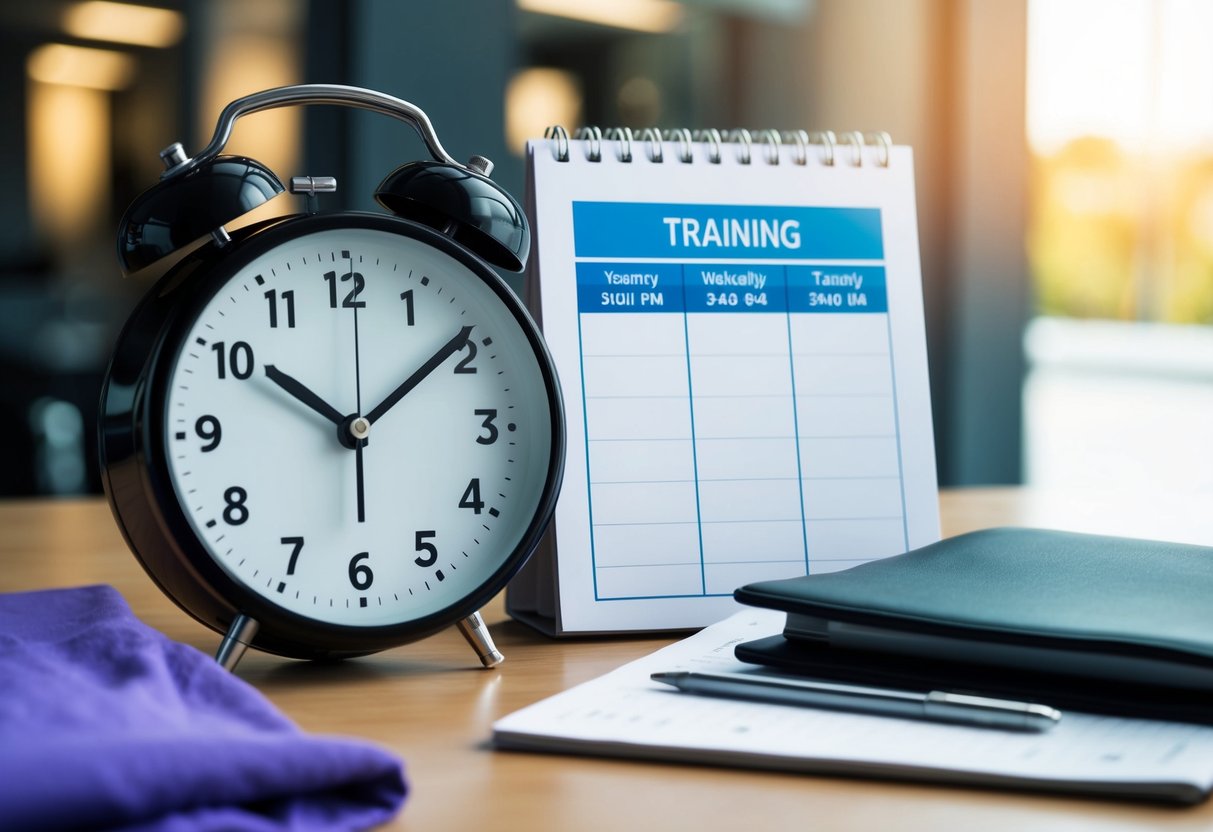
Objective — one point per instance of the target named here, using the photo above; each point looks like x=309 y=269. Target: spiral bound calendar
x=738 y=326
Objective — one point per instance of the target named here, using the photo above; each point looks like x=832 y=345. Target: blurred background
x=1063 y=151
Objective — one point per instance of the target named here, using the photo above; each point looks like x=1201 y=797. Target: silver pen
x=936 y=705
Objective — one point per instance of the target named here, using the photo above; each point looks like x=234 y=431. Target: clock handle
x=477 y=634
x=298 y=94
x=239 y=636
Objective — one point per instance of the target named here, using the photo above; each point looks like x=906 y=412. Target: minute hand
x=444 y=352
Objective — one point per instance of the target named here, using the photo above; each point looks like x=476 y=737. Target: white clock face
x=344 y=333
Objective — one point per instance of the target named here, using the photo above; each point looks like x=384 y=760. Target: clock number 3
x=489 y=415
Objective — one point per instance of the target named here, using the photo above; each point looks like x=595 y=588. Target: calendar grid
x=641 y=415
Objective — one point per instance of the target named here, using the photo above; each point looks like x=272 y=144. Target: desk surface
x=431 y=704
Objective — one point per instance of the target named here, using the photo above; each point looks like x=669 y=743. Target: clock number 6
x=423 y=545
x=361 y=576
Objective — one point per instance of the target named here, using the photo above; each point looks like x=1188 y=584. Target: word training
x=732 y=232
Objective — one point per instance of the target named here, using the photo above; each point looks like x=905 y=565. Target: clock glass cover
x=356 y=427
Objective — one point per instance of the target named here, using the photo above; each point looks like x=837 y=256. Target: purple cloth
x=105 y=723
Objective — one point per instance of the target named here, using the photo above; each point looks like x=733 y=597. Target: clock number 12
x=350 y=301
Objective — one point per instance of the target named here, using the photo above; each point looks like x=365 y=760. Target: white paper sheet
x=624 y=713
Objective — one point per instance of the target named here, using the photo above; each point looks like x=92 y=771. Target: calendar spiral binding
x=830 y=145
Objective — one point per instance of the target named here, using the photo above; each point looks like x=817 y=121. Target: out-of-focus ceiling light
x=537 y=98
x=123 y=23
x=641 y=15
x=78 y=66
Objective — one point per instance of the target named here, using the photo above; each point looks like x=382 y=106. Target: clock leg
x=477 y=634
x=239 y=636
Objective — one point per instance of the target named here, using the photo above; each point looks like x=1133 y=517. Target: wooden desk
x=431 y=704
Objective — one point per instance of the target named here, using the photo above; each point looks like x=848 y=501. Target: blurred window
x=1120 y=124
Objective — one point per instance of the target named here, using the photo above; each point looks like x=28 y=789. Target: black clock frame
x=133 y=448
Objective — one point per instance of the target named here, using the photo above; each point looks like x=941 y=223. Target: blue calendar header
x=646 y=229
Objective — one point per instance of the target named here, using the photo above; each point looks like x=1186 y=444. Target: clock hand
x=444 y=352
x=359 y=424
x=358 y=478
x=303 y=394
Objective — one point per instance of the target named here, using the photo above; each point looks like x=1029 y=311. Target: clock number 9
x=361 y=576
x=208 y=430
x=239 y=359
x=423 y=545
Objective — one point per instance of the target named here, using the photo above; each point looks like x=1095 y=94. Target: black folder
x=1089 y=622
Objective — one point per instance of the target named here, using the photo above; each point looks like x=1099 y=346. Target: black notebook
x=1095 y=623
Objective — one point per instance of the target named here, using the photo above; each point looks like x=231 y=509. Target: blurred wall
x=945 y=76
x=948 y=78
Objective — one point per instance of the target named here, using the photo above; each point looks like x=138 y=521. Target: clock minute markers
x=432 y=363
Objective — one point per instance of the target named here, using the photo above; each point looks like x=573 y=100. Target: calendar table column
x=643 y=509
x=745 y=425
x=850 y=459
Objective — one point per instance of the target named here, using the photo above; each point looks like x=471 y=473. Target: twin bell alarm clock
x=330 y=433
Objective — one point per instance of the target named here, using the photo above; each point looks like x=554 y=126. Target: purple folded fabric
x=105 y=723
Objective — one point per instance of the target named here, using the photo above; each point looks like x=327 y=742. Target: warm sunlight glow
x=1120 y=123
x=124 y=23
x=640 y=15
x=1135 y=71
x=536 y=99
x=77 y=66
x=68 y=129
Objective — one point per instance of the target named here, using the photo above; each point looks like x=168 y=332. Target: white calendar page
x=743 y=361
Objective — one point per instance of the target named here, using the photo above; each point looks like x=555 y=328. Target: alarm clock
x=328 y=434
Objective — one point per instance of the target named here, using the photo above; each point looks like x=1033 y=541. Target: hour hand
x=296 y=388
